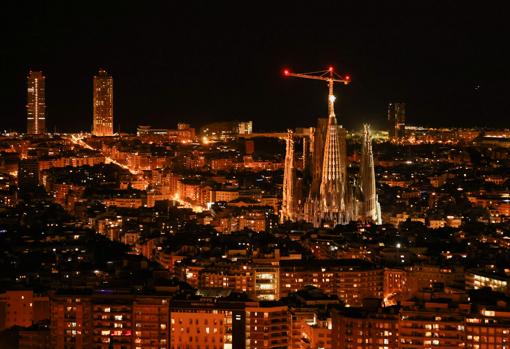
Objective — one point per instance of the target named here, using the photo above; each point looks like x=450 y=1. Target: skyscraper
x=370 y=209
x=103 y=104
x=36 y=104
x=397 y=120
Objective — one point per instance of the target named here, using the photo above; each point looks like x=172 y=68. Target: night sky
x=213 y=60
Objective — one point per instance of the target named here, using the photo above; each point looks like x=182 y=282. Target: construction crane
x=328 y=75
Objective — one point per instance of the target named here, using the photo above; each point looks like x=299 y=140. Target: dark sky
x=213 y=60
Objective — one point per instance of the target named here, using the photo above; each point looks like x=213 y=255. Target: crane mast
x=324 y=75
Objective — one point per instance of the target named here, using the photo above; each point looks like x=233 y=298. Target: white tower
x=288 y=200
x=370 y=207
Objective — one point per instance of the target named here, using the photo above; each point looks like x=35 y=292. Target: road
x=77 y=139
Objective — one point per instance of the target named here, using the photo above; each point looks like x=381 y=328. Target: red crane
x=328 y=75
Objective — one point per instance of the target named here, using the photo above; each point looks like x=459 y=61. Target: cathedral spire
x=288 y=200
x=369 y=209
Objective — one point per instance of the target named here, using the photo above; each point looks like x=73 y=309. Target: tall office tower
x=103 y=104
x=288 y=200
x=332 y=204
x=369 y=206
x=36 y=105
x=397 y=120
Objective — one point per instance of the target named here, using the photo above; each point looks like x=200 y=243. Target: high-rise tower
x=103 y=104
x=397 y=120
x=36 y=104
x=370 y=209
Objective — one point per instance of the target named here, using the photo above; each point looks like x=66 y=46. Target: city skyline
x=102 y=119
x=176 y=180
x=195 y=76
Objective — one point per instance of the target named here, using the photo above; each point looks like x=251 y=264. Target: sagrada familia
x=322 y=194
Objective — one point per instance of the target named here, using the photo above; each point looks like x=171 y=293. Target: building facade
x=22 y=308
x=110 y=320
x=360 y=328
x=267 y=326
x=350 y=280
